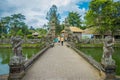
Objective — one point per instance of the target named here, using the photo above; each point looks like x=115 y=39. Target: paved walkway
x=61 y=63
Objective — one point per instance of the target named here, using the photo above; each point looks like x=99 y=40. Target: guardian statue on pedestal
x=17 y=51
x=108 y=51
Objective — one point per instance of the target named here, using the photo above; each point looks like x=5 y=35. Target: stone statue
x=16 y=46
x=108 y=51
x=17 y=51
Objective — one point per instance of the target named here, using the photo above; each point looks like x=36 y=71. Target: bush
x=39 y=37
x=30 y=36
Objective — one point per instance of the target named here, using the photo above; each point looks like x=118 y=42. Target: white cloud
x=35 y=10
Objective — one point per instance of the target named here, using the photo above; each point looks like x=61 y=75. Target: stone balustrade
x=29 y=62
x=89 y=59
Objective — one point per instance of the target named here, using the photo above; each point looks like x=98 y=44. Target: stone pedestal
x=16 y=72
x=110 y=72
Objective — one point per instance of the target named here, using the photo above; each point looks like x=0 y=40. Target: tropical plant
x=74 y=19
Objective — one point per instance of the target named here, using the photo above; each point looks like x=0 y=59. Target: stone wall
x=7 y=41
x=93 y=41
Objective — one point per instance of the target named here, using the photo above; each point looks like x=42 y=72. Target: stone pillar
x=16 y=71
x=110 y=72
x=67 y=29
x=53 y=32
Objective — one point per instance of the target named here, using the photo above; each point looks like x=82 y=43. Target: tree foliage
x=17 y=22
x=74 y=19
x=52 y=15
x=13 y=25
x=104 y=14
x=41 y=31
x=4 y=25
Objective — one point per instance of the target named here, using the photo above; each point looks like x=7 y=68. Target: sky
x=35 y=10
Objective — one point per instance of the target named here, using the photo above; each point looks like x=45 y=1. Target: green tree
x=41 y=31
x=17 y=21
x=74 y=19
x=19 y=32
x=52 y=15
x=4 y=25
x=115 y=17
x=10 y=25
x=103 y=14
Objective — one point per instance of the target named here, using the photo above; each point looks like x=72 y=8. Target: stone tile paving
x=61 y=63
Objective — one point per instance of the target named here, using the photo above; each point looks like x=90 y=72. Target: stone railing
x=89 y=59
x=34 y=58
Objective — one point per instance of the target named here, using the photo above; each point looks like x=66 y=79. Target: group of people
x=59 y=40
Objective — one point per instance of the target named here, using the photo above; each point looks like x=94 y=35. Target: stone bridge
x=61 y=63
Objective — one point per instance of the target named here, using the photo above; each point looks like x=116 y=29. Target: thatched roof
x=62 y=31
x=35 y=34
x=90 y=31
x=76 y=29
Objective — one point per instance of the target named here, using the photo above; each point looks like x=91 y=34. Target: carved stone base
x=16 y=72
x=110 y=72
x=107 y=61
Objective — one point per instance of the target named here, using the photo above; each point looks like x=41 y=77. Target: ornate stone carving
x=108 y=51
x=17 y=51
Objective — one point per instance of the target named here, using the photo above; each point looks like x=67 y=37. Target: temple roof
x=63 y=31
x=75 y=29
x=90 y=31
x=35 y=34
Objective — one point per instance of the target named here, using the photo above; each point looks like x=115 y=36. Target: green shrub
x=30 y=36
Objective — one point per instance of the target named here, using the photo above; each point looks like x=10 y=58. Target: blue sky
x=35 y=10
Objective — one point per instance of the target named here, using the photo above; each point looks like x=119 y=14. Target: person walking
x=62 y=40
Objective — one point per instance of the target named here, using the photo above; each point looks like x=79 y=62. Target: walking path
x=61 y=63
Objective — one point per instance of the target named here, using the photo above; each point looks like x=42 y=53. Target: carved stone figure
x=16 y=46
x=108 y=51
x=17 y=51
